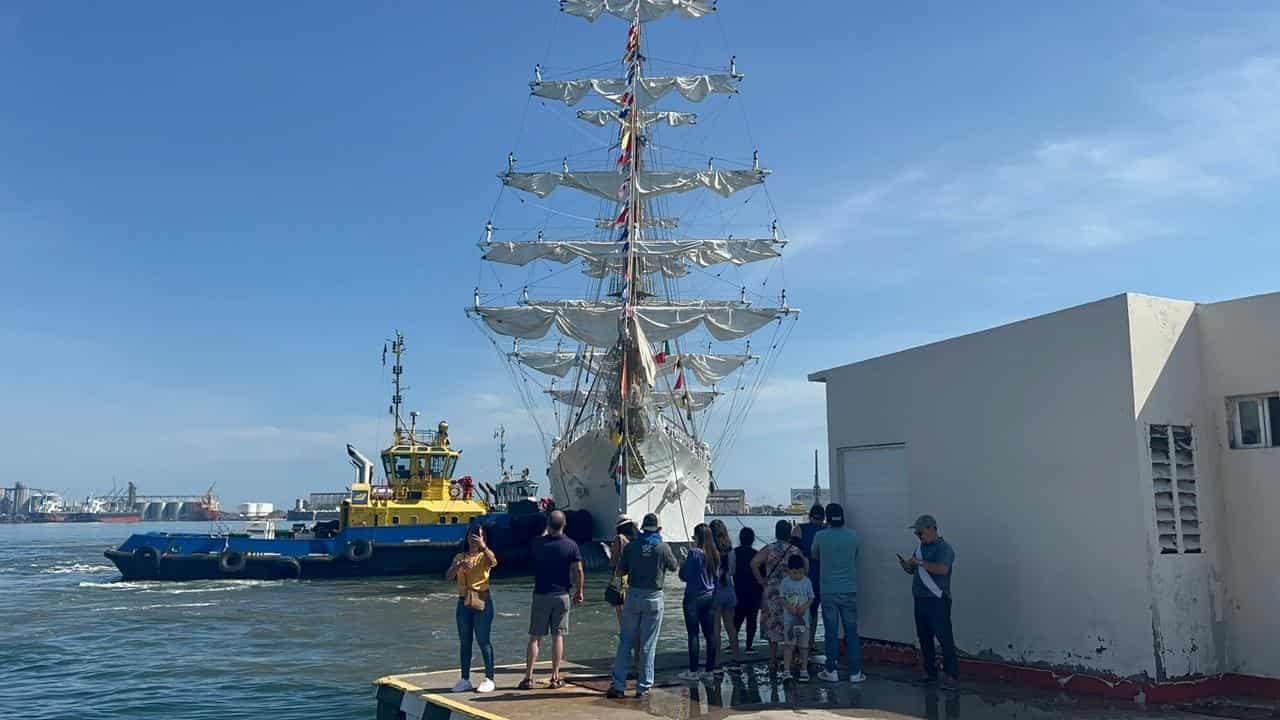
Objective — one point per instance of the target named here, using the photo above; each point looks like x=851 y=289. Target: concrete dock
x=888 y=694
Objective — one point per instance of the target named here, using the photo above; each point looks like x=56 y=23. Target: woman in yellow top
x=474 y=614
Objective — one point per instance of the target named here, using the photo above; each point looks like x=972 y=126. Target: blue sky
x=212 y=216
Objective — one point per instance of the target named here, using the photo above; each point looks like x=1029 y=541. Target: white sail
x=683 y=398
x=554 y=362
x=648 y=9
x=671 y=118
x=596 y=323
x=672 y=258
x=648 y=90
x=649 y=184
x=707 y=368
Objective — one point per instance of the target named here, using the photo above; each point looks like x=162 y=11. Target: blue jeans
x=837 y=609
x=641 y=620
x=478 y=624
x=699 y=613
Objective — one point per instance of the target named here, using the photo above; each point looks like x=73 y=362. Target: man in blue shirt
x=804 y=535
x=930 y=568
x=837 y=548
x=557 y=568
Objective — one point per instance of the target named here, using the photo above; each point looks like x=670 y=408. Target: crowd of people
x=775 y=594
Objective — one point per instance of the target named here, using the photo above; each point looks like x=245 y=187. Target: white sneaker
x=463 y=685
x=486 y=686
x=857 y=678
x=804 y=676
x=785 y=676
x=828 y=676
x=689 y=675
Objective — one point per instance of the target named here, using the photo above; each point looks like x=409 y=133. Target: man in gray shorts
x=557 y=567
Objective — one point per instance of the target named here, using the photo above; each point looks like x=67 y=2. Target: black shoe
x=642 y=694
x=614 y=693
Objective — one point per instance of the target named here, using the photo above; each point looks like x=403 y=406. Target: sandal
x=556 y=683
x=525 y=684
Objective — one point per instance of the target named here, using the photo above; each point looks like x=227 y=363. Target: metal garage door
x=873 y=489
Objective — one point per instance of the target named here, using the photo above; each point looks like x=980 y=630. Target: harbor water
x=75 y=639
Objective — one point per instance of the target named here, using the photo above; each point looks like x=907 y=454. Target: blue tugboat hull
x=349 y=553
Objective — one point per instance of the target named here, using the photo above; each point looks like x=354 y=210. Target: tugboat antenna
x=397 y=349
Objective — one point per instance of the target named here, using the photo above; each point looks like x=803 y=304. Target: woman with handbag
x=726 y=596
x=615 y=593
x=770 y=567
x=474 y=613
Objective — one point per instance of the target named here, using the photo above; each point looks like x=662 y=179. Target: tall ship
x=410 y=521
x=641 y=373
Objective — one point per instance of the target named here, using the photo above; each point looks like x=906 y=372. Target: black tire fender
x=232 y=561
x=359 y=550
x=148 y=556
x=290 y=568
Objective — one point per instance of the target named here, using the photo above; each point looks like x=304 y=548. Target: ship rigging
x=647 y=365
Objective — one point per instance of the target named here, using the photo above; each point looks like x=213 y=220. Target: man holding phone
x=930 y=568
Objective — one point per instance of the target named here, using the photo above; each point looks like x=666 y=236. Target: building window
x=1255 y=421
x=1173 y=479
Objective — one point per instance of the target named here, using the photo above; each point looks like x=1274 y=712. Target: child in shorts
x=797 y=596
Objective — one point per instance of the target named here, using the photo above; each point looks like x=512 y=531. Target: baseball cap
x=623 y=519
x=649 y=523
x=924 y=521
x=835 y=514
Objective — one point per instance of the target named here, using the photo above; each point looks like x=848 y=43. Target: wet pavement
x=751 y=692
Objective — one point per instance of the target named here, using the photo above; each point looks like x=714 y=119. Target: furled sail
x=649 y=184
x=672 y=118
x=648 y=90
x=648 y=9
x=690 y=399
x=596 y=323
x=672 y=258
x=707 y=368
x=649 y=222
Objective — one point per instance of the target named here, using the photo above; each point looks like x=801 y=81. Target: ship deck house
x=1109 y=476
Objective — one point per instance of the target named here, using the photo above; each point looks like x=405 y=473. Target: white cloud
x=1211 y=136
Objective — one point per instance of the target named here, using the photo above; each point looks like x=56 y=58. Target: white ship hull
x=675 y=487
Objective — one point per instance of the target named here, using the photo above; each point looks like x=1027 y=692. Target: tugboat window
x=438 y=463
x=395 y=519
x=402 y=467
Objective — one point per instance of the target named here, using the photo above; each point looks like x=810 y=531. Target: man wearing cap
x=837 y=548
x=930 y=568
x=804 y=535
x=646 y=562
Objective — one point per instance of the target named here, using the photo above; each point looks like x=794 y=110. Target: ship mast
x=629 y=145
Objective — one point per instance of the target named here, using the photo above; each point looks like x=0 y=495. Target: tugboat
x=413 y=523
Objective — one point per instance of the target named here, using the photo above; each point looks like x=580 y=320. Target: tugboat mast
x=397 y=369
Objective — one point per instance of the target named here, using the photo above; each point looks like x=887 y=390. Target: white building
x=256 y=510
x=1043 y=449
x=806 y=497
